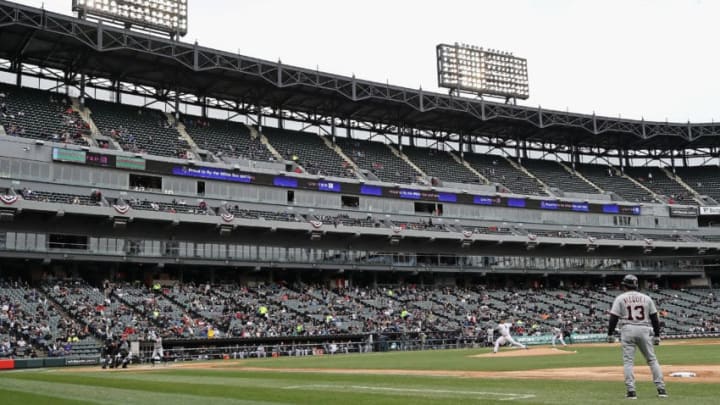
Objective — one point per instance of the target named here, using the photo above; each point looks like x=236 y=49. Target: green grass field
x=278 y=385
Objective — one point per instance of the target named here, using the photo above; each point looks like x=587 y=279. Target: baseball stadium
x=182 y=224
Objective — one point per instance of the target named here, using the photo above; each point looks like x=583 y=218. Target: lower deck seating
x=266 y=309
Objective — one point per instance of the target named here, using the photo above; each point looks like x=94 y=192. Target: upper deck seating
x=554 y=175
x=138 y=129
x=379 y=160
x=309 y=151
x=225 y=139
x=655 y=179
x=608 y=179
x=498 y=170
x=440 y=164
x=38 y=114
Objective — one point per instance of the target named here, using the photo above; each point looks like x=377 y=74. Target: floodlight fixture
x=491 y=72
x=163 y=16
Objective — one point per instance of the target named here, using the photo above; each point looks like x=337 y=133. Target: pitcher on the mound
x=504 y=330
x=557 y=334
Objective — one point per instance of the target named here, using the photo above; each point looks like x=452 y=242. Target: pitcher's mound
x=533 y=351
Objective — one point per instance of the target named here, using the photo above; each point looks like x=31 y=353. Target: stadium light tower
x=484 y=72
x=157 y=16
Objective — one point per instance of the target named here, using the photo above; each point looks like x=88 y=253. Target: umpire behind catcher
x=635 y=312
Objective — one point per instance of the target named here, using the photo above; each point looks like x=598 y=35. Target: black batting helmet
x=630 y=281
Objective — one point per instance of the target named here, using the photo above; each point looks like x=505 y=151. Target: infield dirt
x=705 y=373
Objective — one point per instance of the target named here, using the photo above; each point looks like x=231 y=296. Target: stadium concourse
x=274 y=209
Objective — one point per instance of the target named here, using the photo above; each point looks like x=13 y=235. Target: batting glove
x=656 y=341
x=611 y=339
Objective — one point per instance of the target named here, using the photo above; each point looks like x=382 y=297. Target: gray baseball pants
x=633 y=336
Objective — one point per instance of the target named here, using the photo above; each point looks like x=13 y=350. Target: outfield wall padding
x=55 y=362
x=29 y=363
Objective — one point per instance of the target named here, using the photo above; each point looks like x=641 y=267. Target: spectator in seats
x=76 y=200
x=95 y=196
x=202 y=206
x=6 y=348
x=21 y=344
x=27 y=193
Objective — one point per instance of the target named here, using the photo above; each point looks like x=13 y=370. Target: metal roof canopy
x=36 y=37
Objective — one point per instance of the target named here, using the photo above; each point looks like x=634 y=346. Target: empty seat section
x=440 y=164
x=226 y=139
x=378 y=159
x=705 y=180
x=608 y=179
x=655 y=179
x=137 y=129
x=498 y=170
x=554 y=175
x=309 y=151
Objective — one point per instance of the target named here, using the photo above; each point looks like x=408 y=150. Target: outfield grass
x=167 y=385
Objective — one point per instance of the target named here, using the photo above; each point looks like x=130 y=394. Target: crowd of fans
x=51 y=320
x=68 y=127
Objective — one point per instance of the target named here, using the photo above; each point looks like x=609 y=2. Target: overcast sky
x=646 y=58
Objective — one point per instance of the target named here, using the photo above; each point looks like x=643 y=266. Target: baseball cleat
x=662 y=393
x=631 y=395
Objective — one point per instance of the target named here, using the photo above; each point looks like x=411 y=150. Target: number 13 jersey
x=633 y=308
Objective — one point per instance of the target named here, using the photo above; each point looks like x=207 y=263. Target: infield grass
x=232 y=385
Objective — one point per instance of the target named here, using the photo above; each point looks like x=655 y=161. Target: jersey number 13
x=636 y=313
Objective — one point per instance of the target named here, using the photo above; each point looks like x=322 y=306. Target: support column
x=332 y=128
x=18 y=73
x=461 y=145
x=672 y=160
x=116 y=88
x=626 y=157
x=177 y=107
x=82 y=91
x=204 y=107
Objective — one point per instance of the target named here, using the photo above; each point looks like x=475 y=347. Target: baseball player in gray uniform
x=639 y=327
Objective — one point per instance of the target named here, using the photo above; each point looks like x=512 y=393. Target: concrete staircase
x=402 y=156
x=263 y=139
x=469 y=167
x=656 y=196
x=680 y=181
x=342 y=154
x=580 y=176
x=180 y=127
x=528 y=173
x=84 y=113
